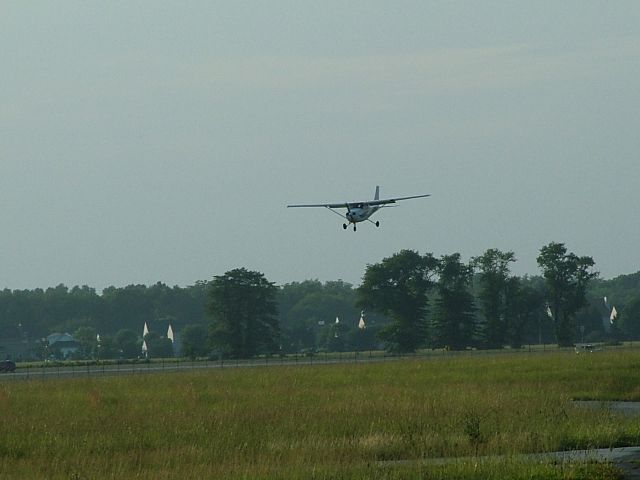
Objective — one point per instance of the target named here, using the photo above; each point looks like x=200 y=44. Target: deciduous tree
x=86 y=338
x=566 y=278
x=243 y=311
x=127 y=344
x=630 y=318
x=398 y=287
x=194 y=341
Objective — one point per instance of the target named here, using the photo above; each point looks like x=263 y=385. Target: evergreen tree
x=454 y=316
x=493 y=269
x=523 y=309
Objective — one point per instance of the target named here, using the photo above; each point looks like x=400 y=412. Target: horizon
x=100 y=290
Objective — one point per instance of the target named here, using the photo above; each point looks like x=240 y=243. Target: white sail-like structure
x=549 y=314
x=145 y=330
x=361 y=324
x=170 y=333
x=145 y=350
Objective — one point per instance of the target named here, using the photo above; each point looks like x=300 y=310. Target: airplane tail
x=377 y=195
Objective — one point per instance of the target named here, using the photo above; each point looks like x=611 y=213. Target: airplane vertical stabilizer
x=377 y=195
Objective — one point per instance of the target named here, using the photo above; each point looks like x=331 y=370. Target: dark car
x=7 y=366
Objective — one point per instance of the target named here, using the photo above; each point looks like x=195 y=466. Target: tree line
x=405 y=302
x=447 y=303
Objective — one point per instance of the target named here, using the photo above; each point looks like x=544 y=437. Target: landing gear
x=376 y=223
x=344 y=226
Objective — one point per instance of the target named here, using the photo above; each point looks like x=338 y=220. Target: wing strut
x=336 y=212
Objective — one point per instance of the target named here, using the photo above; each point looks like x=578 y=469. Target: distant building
x=62 y=345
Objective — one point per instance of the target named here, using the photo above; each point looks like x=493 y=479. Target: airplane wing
x=385 y=201
x=325 y=205
x=394 y=200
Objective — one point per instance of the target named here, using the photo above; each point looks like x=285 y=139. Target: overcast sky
x=161 y=141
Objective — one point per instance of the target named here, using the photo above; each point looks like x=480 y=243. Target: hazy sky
x=161 y=141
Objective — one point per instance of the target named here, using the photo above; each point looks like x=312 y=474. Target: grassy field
x=354 y=421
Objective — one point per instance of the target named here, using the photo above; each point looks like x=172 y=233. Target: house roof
x=60 y=338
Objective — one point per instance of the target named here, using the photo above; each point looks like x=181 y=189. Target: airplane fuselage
x=360 y=213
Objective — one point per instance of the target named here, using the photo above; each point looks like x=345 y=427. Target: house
x=62 y=345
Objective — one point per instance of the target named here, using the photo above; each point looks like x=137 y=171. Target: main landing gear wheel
x=344 y=225
x=377 y=224
x=354 y=227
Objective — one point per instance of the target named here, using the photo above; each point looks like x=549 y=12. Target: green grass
x=352 y=421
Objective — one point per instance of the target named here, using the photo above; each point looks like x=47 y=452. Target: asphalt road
x=52 y=372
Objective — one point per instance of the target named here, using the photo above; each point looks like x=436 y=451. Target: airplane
x=360 y=211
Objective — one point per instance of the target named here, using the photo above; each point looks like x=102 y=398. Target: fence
x=33 y=371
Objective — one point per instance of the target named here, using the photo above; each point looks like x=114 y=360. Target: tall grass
x=328 y=421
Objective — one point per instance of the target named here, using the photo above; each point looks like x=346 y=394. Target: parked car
x=7 y=366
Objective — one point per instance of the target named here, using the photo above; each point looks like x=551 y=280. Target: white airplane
x=359 y=211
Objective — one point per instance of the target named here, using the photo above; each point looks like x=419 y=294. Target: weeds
x=341 y=421
x=472 y=430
